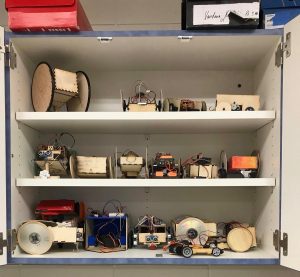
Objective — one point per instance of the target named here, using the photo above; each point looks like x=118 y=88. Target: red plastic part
x=42 y=16
x=242 y=163
x=55 y=207
x=152 y=246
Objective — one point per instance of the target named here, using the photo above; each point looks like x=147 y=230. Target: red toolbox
x=48 y=208
x=46 y=15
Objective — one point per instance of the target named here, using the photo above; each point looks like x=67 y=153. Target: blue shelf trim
x=144 y=261
x=160 y=33
x=7 y=143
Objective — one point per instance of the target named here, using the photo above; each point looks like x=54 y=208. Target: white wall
x=136 y=14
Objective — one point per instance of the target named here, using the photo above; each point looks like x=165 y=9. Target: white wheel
x=34 y=237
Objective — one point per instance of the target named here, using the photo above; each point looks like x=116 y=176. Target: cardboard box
x=277 y=13
x=236 y=14
x=277 y=18
x=275 y=4
x=46 y=16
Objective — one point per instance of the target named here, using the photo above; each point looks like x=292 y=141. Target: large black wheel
x=130 y=239
x=159 y=106
x=187 y=252
x=217 y=252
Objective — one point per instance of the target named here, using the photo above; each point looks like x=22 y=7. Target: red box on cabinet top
x=46 y=15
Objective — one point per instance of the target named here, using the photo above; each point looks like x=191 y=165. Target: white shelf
x=145 y=256
x=131 y=183
x=146 y=123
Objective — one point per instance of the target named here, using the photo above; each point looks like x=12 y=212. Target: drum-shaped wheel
x=82 y=102
x=239 y=239
x=34 y=237
x=72 y=162
x=42 y=88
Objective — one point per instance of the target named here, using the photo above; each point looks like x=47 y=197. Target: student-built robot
x=107 y=231
x=131 y=164
x=143 y=100
x=183 y=105
x=53 y=158
x=150 y=231
x=53 y=88
x=227 y=102
x=91 y=167
x=239 y=166
x=199 y=166
x=57 y=222
x=193 y=236
x=165 y=166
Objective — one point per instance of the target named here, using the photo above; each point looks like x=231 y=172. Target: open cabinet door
x=3 y=256
x=290 y=194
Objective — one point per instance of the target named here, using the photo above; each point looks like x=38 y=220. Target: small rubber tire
x=124 y=105
x=187 y=252
x=159 y=106
x=216 y=252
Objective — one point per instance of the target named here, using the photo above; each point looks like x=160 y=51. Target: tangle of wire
x=145 y=95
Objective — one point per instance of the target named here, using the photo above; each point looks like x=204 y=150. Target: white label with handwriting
x=218 y=14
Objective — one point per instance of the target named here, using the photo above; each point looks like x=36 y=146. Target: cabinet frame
x=182 y=34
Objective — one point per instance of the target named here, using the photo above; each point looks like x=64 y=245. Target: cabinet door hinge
x=10 y=242
x=104 y=39
x=280 y=243
x=283 y=47
x=11 y=56
x=185 y=38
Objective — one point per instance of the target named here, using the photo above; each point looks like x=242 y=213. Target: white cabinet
x=241 y=62
x=290 y=191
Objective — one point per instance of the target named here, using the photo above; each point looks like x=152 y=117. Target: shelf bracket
x=280 y=243
x=284 y=47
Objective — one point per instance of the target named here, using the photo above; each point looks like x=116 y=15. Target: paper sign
x=218 y=14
